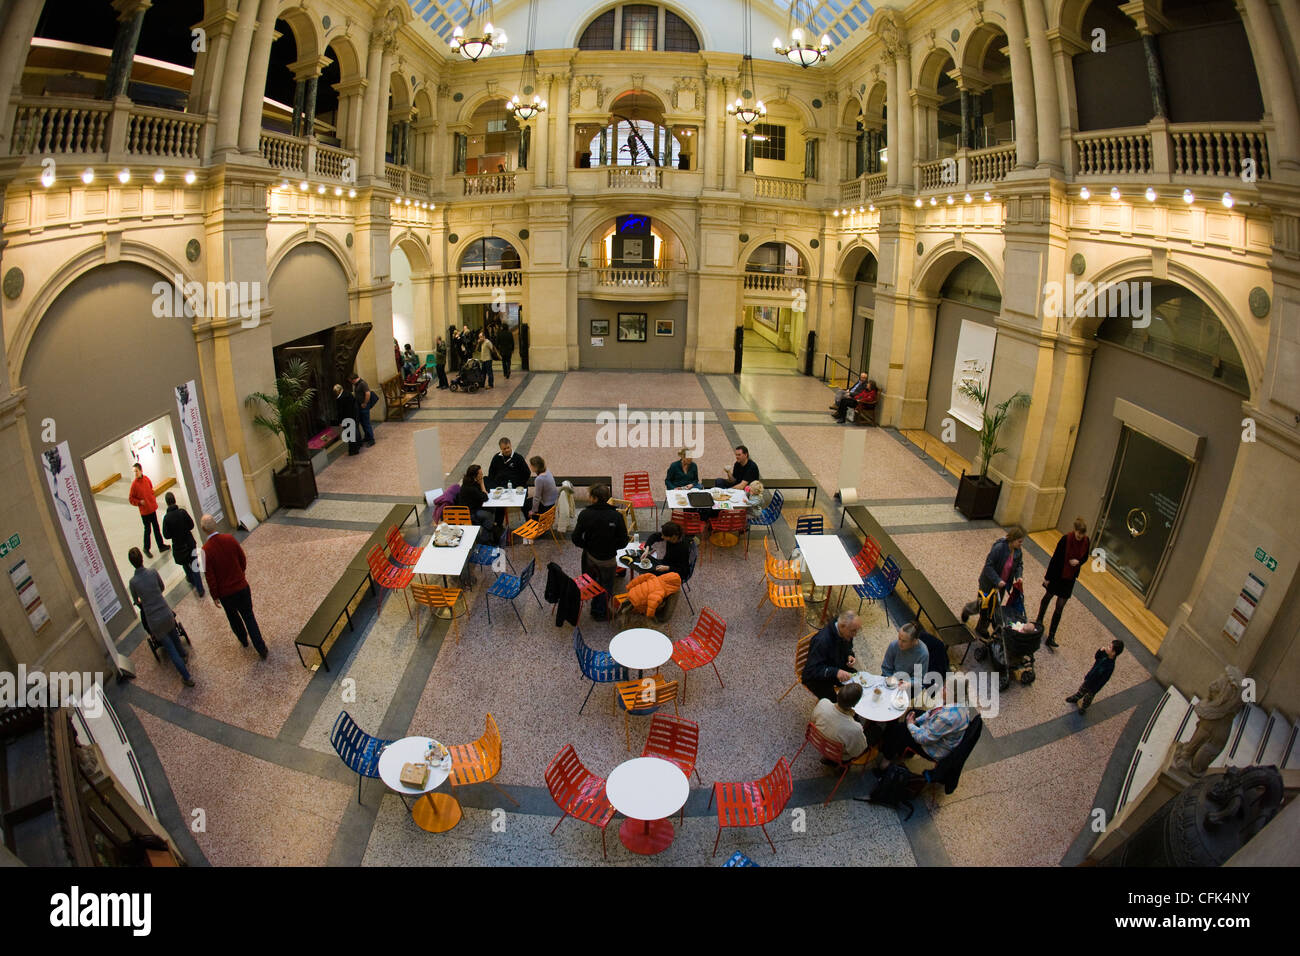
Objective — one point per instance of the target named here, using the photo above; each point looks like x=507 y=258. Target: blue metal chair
x=809 y=524
x=879 y=584
x=596 y=666
x=767 y=517
x=690 y=573
x=356 y=748
x=509 y=587
x=739 y=859
x=485 y=556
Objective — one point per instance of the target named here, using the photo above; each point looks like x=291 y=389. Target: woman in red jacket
x=142 y=496
x=1063 y=570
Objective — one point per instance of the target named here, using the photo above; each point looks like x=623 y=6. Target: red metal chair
x=693 y=526
x=579 y=792
x=867 y=558
x=701 y=646
x=676 y=740
x=389 y=576
x=833 y=750
x=727 y=528
x=588 y=588
x=755 y=803
x=399 y=552
x=636 y=490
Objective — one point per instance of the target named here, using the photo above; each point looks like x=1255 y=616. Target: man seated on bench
x=862 y=391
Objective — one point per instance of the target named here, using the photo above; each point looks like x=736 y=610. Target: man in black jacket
x=1103 y=666
x=600 y=531
x=178 y=528
x=831 y=654
x=507 y=467
x=505 y=343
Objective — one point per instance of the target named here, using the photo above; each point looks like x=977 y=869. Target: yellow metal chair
x=436 y=598
x=641 y=698
x=801 y=649
x=535 y=528
x=479 y=761
x=788 y=596
x=457 y=514
x=777 y=568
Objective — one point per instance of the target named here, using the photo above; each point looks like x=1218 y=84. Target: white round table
x=435 y=812
x=640 y=648
x=879 y=709
x=646 y=790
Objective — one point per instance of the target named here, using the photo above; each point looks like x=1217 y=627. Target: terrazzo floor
x=250 y=744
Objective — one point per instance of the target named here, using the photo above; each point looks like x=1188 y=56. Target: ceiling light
x=949 y=200
x=159 y=175
x=1114 y=192
x=88 y=176
x=871 y=208
x=352 y=194
x=190 y=177
x=338 y=190
x=835 y=213
x=933 y=201
x=321 y=189
x=124 y=176
x=1085 y=193
x=1150 y=194
x=1228 y=201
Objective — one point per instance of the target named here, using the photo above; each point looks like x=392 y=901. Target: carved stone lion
x=1214 y=717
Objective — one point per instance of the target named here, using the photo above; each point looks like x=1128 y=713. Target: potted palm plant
x=283 y=414
x=977 y=495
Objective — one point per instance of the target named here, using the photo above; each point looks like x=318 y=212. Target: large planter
x=295 y=485
x=977 y=496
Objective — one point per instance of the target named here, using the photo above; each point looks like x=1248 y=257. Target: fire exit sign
x=1266 y=559
x=9 y=544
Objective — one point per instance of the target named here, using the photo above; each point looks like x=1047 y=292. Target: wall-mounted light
x=124 y=176
x=1085 y=193
x=1114 y=192
x=190 y=177
x=159 y=175
x=1188 y=196
x=1228 y=201
x=87 y=176
x=1150 y=194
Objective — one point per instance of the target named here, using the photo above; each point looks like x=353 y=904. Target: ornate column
x=891 y=119
x=1275 y=83
x=259 y=60
x=563 y=135
x=1149 y=22
x=905 y=148
x=1048 y=101
x=370 y=108
x=130 y=18
x=383 y=82
x=1022 y=88
x=233 y=77
x=729 y=136
x=542 y=126
x=709 y=133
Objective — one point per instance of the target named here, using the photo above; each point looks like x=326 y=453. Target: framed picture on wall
x=632 y=326
x=600 y=326
x=663 y=326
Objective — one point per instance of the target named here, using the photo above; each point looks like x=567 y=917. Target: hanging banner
x=196 y=449
x=972 y=366
x=70 y=508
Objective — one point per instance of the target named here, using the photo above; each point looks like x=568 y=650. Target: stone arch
x=306 y=33
x=975 y=45
x=940 y=260
x=684 y=233
x=583 y=21
x=850 y=258
x=748 y=248
x=323 y=238
x=416 y=252
x=803 y=110
x=1067 y=15
x=852 y=107
x=932 y=68
x=400 y=91
x=62 y=277
x=873 y=105
x=423 y=102
x=509 y=235
x=476 y=101
x=345 y=52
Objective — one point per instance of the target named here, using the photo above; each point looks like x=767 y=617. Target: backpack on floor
x=896 y=788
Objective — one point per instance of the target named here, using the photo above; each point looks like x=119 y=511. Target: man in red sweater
x=223 y=565
x=142 y=496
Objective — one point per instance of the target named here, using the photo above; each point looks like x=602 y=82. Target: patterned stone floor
x=249 y=746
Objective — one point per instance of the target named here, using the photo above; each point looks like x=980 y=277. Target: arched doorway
x=636 y=134
x=864 y=315
x=775 y=310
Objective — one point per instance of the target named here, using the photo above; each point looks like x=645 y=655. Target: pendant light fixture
x=799 y=48
x=486 y=40
x=748 y=108
x=524 y=109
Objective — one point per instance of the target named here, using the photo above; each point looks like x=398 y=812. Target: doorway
x=1142 y=508
x=109 y=473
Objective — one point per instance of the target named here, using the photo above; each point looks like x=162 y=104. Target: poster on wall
x=973 y=364
x=196 y=449
x=70 y=508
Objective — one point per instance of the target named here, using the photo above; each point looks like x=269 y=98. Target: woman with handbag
x=1062 y=571
x=1002 y=569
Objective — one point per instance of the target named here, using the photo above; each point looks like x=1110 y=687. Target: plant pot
x=295 y=485
x=977 y=496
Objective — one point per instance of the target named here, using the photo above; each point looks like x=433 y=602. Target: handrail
x=634 y=177
x=620 y=276
x=489 y=184
x=491 y=278
x=772 y=187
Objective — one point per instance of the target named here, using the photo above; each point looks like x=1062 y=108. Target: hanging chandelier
x=525 y=110
x=488 y=39
x=798 y=48
x=744 y=111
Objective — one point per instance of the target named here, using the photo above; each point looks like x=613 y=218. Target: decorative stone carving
x=833 y=97
x=444 y=89
x=1214 y=717
x=892 y=33
x=685 y=93
x=587 y=89
x=638 y=81
x=978 y=12
x=388 y=28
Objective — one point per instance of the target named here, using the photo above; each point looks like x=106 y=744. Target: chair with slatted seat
x=809 y=524
x=535 y=528
x=636 y=490
x=578 y=792
x=399 y=552
x=509 y=587
x=701 y=646
x=479 y=761
x=833 y=750
x=867 y=559
x=801 y=649
x=457 y=514
x=588 y=587
x=767 y=517
x=389 y=576
x=692 y=525
x=878 y=585
x=356 y=748
x=781 y=596
x=599 y=667
x=624 y=507
x=642 y=697
x=739 y=859
x=727 y=527
x=486 y=556
x=676 y=740
x=435 y=599
x=778 y=568
x=753 y=803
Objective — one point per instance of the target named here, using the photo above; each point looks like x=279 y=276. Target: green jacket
x=440 y=354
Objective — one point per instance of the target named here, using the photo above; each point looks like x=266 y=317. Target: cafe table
x=507 y=499
x=828 y=563
x=447 y=561
x=434 y=812
x=735 y=497
x=890 y=704
x=641 y=649
x=647 y=790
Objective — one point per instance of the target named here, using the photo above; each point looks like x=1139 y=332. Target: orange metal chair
x=642 y=697
x=753 y=803
x=389 y=576
x=676 y=740
x=788 y=596
x=801 y=650
x=778 y=568
x=701 y=646
x=480 y=761
x=636 y=490
x=833 y=750
x=579 y=792
x=399 y=552
x=457 y=514
x=534 y=528
x=434 y=598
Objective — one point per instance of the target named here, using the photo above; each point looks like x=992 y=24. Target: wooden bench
x=398 y=400
x=324 y=625
x=800 y=484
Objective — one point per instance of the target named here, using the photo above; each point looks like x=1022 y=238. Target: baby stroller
x=1012 y=643
x=470 y=378
x=416 y=381
x=155 y=647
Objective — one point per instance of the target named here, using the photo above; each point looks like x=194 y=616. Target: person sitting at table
x=835 y=720
x=907 y=655
x=545 y=493
x=742 y=473
x=831 y=654
x=682 y=473
x=473 y=495
x=507 y=467
x=850 y=399
x=668 y=550
x=933 y=735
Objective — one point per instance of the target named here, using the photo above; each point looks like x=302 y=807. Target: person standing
x=178 y=528
x=141 y=495
x=146 y=587
x=440 y=360
x=224 y=564
x=1103 y=665
x=453 y=348
x=486 y=352
x=366 y=400
x=349 y=418
x=830 y=655
x=1002 y=569
x=506 y=347
x=600 y=531
x=1062 y=571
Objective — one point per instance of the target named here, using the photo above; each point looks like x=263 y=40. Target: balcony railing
x=492 y=279
x=48 y=126
x=283 y=152
x=1217 y=150
x=55 y=128
x=990 y=165
x=489 y=184
x=1112 y=153
x=634 y=177
x=770 y=187
x=623 y=278
x=163 y=133
x=767 y=282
